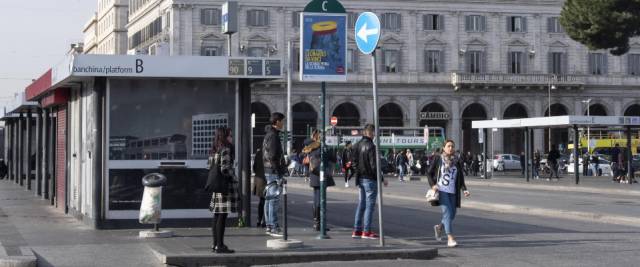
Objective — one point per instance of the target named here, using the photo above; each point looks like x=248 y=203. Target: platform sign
x=236 y=67
x=254 y=67
x=272 y=67
x=323 y=47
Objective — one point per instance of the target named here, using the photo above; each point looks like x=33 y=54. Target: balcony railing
x=460 y=80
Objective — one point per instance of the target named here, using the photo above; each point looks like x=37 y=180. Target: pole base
x=155 y=234
x=323 y=236
x=284 y=244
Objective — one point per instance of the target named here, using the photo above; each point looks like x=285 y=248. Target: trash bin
x=151 y=206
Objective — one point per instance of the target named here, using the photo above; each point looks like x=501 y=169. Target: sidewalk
x=587 y=184
x=32 y=230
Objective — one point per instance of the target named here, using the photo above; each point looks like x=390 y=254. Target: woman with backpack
x=223 y=183
x=446 y=176
x=312 y=150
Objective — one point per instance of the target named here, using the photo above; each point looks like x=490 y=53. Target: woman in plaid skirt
x=226 y=202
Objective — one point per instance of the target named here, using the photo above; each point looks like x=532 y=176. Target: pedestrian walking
x=224 y=185
x=346 y=163
x=552 y=161
x=522 y=162
x=259 y=183
x=274 y=169
x=401 y=165
x=314 y=152
x=364 y=162
x=475 y=164
x=447 y=178
x=536 y=164
x=410 y=163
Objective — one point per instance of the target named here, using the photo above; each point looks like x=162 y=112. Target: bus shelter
x=573 y=122
x=130 y=115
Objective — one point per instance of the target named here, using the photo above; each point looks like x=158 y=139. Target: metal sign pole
x=377 y=140
x=323 y=183
x=289 y=118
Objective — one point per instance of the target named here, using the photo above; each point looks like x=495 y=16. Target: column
x=497 y=136
x=413 y=112
x=20 y=150
x=14 y=150
x=369 y=110
x=578 y=106
x=617 y=108
x=45 y=154
x=538 y=134
x=38 y=167
x=27 y=149
x=456 y=126
x=52 y=160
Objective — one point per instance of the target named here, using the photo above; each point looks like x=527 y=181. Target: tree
x=602 y=24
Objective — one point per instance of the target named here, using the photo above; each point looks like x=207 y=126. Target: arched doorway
x=434 y=115
x=559 y=136
x=304 y=118
x=348 y=115
x=390 y=115
x=513 y=139
x=633 y=110
x=596 y=110
x=470 y=136
x=262 y=120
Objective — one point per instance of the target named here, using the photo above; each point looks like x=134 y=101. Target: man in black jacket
x=364 y=163
x=274 y=168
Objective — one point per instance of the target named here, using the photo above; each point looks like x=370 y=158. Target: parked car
x=604 y=167
x=503 y=162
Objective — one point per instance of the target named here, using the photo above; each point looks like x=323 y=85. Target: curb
x=27 y=259
x=512 y=209
x=554 y=187
x=248 y=259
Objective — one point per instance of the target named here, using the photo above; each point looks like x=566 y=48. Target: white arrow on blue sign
x=367 y=32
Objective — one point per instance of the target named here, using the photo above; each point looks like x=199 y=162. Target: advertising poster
x=323 y=49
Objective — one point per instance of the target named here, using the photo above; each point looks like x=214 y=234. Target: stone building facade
x=465 y=59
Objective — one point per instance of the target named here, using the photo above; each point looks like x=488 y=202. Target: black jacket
x=434 y=172
x=259 y=181
x=272 y=153
x=346 y=156
x=364 y=159
x=313 y=150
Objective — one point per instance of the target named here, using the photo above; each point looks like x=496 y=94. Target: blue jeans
x=366 y=204
x=535 y=171
x=448 y=206
x=272 y=203
x=401 y=172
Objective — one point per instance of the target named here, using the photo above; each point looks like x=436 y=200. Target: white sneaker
x=452 y=244
x=346 y=184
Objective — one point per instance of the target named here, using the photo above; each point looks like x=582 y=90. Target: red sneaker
x=356 y=234
x=370 y=235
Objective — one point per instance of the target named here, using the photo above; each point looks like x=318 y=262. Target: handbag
x=432 y=196
x=217 y=182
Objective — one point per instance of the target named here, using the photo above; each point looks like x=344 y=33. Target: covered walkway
x=572 y=122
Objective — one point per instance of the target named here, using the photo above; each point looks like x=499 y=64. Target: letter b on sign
x=139 y=67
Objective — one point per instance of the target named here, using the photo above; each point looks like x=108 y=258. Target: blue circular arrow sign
x=367 y=32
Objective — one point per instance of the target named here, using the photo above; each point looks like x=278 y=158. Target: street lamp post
x=588 y=102
x=553 y=77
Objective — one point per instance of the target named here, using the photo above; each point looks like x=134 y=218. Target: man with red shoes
x=364 y=164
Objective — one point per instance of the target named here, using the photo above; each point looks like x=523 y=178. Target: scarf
x=447 y=161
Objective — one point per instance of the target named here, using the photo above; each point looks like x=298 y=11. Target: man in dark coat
x=365 y=164
x=274 y=169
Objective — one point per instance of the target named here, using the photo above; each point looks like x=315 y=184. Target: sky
x=36 y=34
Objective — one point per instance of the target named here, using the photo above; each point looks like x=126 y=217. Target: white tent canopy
x=559 y=122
